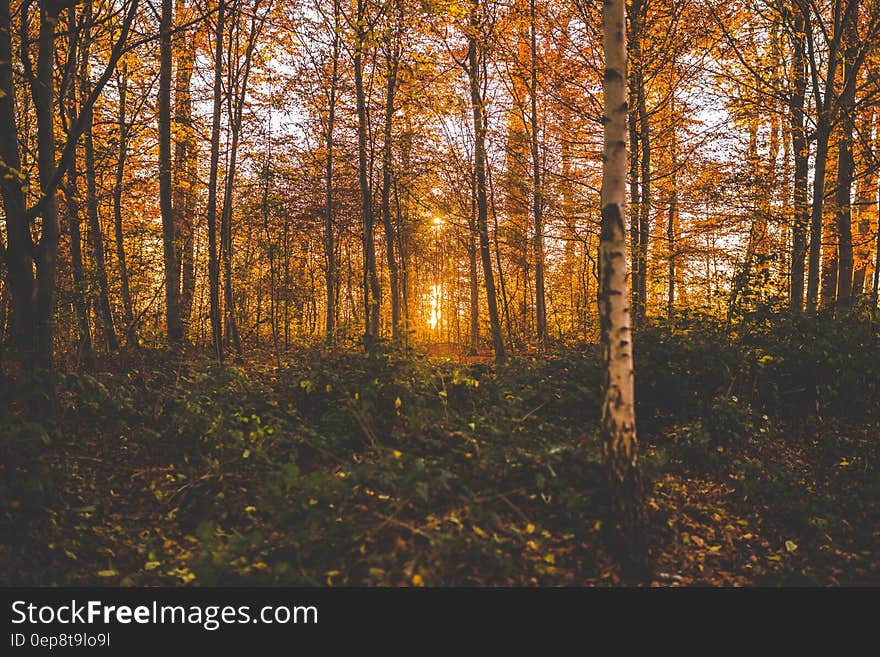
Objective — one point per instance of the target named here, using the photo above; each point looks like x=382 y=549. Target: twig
x=513 y=506
x=533 y=411
x=404 y=525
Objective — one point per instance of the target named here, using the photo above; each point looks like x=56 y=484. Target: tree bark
x=619 y=443
x=213 y=260
x=866 y=190
x=329 y=240
x=20 y=246
x=237 y=83
x=474 y=337
x=634 y=195
x=372 y=291
x=43 y=92
x=185 y=171
x=474 y=58
x=80 y=300
x=640 y=164
x=672 y=226
x=644 y=203
x=119 y=235
x=845 y=162
x=174 y=327
x=537 y=190
x=825 y=115
x=801 y=156
x=387 y=153
x=96 y=238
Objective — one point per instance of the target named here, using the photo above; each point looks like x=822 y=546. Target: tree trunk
x=403 y=250
x=329 y=241
x=391 y=87
x=119 y=236
x=185 y=172
x=20 y=246
x=823 y=136
x=43 y=91
x=640 y=162
x=213 y=260
x=801 y=157
x=96 y=237
x=825 y=114
x=537 y=193
x=672 y=226
x=472 y=274
x=372 y=291
x=474 y=58
x=634 y=196
x=845 y=163
x=174 y=327
x=237 y=82
x=273 y=318
x=876 y=290
x=80 y=301
x=644 y=204
x=866 y=190
x=620 y=447
x=502 y=285
x=830 y=263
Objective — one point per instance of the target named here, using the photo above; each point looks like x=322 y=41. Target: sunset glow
x=434 y=297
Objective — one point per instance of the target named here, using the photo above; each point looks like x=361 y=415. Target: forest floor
x=341 y=470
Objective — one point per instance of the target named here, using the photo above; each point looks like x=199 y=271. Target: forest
x=439 y=293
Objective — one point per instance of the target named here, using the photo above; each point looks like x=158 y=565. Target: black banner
x=129 y=621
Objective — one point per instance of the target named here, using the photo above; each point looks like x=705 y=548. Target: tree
x=394 y=48
x=173 y=323
x=96 y=237
x=473 y=69
x=372 y=290
x=619 y=443
x=213 y=258
x=801 y=157
x=71 y=193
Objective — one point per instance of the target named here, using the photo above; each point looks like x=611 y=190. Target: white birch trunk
x=619 y=444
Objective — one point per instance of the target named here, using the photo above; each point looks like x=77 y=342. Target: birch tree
x=619 y=444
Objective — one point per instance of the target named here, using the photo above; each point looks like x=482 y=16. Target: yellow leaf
x=417 y=580
x=107 y=573
x=479 y=532
x=530 y=529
